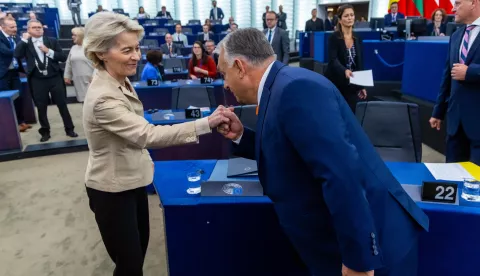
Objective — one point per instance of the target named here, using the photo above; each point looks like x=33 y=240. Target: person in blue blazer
x=335 y=198
x=392 y=17
x=459 y=98
x=216 y=13
x=153 y=69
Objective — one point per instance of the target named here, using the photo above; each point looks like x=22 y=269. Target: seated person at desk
x=208 y=22
x=233 y=27
x=315 y=24
x=33 y=16
x=437 y=27
x=179 y=36
x=153 y=70
x=206 y=35
x=391 y=18
x=201 y=65
x=142 y=14
x=210 y=47
x=164 y=13
x=170 y=48
x=345 y=56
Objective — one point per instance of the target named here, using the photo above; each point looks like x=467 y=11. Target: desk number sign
x=177 y=69
x=193 y=113
x=152 y=82
x=206 y=80
x=443 y=192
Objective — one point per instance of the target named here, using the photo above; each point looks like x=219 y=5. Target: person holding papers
x=345 y=56
x=336 y=200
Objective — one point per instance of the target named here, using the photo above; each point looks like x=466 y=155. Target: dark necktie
x=12 y=45
x=270 y=36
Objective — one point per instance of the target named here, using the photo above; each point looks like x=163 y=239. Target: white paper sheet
x=363 y=78
x=451 y=171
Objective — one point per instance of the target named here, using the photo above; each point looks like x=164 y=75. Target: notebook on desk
x=242 y=167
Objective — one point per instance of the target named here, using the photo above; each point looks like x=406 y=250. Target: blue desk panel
x=392 y=52
x=9 y=136
x=230 y=231
x=423 y=68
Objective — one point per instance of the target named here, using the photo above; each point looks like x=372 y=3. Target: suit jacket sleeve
x=387 y=20
x=334 y=163
x=21 y=50
x=6 y=51
x=246 y=148
x=333 y=53
x=285 y=47
x=307 y=29
x=57 y=50
x=441 y=105
x=322 y=24
x=211 y=14
x=221 y=15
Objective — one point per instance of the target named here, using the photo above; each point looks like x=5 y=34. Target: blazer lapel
x=456 y=45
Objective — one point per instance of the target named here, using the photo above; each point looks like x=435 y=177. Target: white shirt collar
x=476 y=22
x=262 y=82
x=40 y=39
x=272 y=29
x=5 y=34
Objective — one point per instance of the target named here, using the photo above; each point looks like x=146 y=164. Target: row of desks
x=191 y=38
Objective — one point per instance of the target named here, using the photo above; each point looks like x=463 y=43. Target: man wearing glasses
x=277 y=37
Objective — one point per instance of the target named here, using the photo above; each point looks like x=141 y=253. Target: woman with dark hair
x=201 y=64
x=153 y=70
x=142 y=14
x=345 y=57
x=437 y=27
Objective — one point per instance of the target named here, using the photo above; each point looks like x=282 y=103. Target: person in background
x=142 y=14
x=170 y=48
x=164 y=13
x=459 y=96
x=119 y=166
x=337 y=202
x=278 y=38
x=230 y=22
x=345 y=57
x=208 y=22
x=201 y=64
x=33 y=16
x=264 y=17
x=437 y=27
x=233 y=27
x=78 y=68
x=205 y=35
x=362 y=19
x=392 y=17
x=45 y=76
x=282 y=18
x=216 y=13
x=2 y=14
x=153 y=70
x=210 y=47
x=100 y=9
x=10 y=15
x=10 y=67
x=315 y=24
x=74 y=7
x=179 y=36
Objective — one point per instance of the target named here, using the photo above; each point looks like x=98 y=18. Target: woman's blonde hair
x=79 y=32
x=101 y=31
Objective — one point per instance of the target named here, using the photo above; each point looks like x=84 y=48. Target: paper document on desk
x=363 y=78
x=450 y=171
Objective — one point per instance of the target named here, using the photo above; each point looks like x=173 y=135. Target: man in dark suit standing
x=264 y=17
x=335 y=198
x=330 y=21
x=216 y=13
x=11 y=66
x=282 y=18
x=315 y=24
x=45 y=76
x=459 y=97
x=278 y=38
x=392 y=17
x=164 y=13
x=210 y=47
x=206 y=35
x=170 y=48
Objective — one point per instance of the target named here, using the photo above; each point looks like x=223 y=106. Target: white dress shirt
x=215 y=16
x=180 y=37
x=259 y=93
x=473 y=35
x=37 y=42
x=14 y=45
x=273 y=34
x=206 y=37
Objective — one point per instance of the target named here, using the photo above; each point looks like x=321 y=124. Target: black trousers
x=41 y=89
x=11 y=81
x=460 y=148
x=123 y=221
x=76 y=12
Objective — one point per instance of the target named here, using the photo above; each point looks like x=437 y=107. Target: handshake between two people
x=226 y=122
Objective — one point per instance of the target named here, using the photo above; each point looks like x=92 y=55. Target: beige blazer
x=117 y=135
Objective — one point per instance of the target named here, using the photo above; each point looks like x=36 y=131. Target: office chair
x=187 y=31
x=393 y=129
x=150 y=43
x=247 y=115
x=169 y=63
x=160 y=30
x=198 y=96
x=194 y=22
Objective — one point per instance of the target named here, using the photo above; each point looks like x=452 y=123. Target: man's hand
x=348 y=74
x=44 y=49
x=362 y=94
x=217 y=118
x=234 y=130
x=68 y=81
x=435 y=123
x=459 y=71
x=25 y=36
x=348 y=272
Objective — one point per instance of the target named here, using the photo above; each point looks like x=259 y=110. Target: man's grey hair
x=31 y=21
x=249 y=44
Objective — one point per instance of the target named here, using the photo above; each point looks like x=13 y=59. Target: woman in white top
x=142 y=13
x=78 y=68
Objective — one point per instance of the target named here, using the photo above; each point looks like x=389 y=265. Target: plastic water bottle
x=471 y=190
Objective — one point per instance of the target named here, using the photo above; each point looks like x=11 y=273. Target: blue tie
x=12 y=45
x=270 y=36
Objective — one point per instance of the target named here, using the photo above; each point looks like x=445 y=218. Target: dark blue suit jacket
x=388 y=18
x=459 y=101
x=335 y=198
x=6 y=55
x=219 y=13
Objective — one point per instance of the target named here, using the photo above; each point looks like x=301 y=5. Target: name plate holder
x=193 y=113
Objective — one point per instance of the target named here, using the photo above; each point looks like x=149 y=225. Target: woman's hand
x=193 y=77
x=442 y=34
x=198 y=69
x=68 y=81
x=348 y=74
x=362 y=94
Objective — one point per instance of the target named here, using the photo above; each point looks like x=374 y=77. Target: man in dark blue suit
x=216 y=13
x=342 y=209
x=392 y=17
x=10 y=66
x=459 y=97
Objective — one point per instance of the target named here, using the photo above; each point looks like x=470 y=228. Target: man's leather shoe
x=22 y=127
x=72 y=134
x=45 y=138
x=27 y=125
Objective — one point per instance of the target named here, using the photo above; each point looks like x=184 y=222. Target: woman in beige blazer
x=119 y=166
